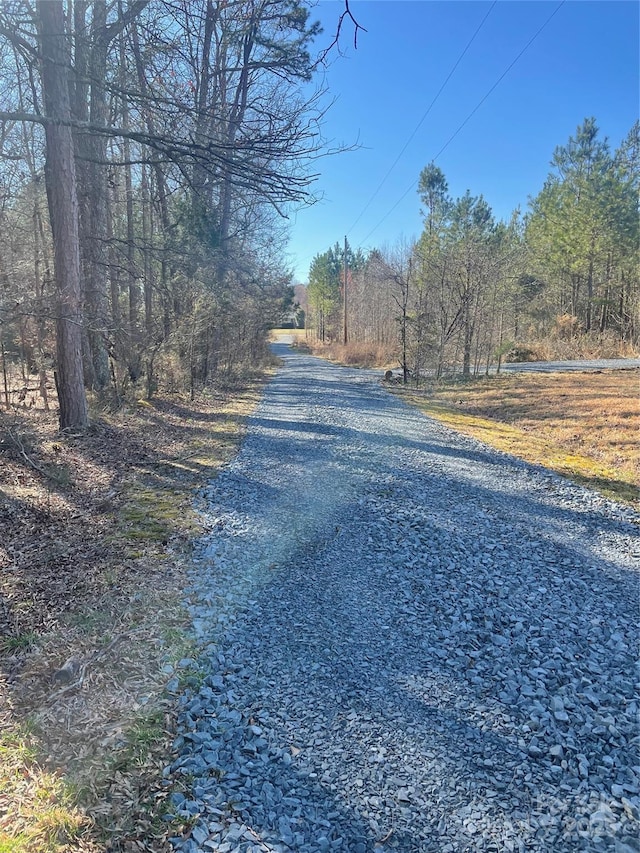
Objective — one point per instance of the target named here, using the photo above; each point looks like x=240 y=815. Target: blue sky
x=585 y=62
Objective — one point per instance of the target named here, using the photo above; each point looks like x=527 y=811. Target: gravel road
x=410 y=642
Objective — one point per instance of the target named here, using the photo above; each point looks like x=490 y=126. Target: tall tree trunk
x=147 y=241
x=38 y=252
x=40 y=257
x=162 y=204
x=91 y=101
x=589 y=312
x=79 y=87
x=97 y=304
x=606 y=302
x=235 y=122
x=114 y=266
x=133 y=349
x=200 y=181
x=467 y=328
x=60 y=178
x=5 y=378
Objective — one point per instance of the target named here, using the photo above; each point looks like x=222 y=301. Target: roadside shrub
x=357 y=353
x=566 y=327
x=521 y=352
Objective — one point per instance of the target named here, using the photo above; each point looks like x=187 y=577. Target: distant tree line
x=147 y=151
x=562 y=279
x=325 y=288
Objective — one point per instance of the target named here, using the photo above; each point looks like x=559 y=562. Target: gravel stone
x=409 y=641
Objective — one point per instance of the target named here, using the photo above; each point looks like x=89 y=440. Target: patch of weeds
x=18 y=642
x=59 y=474
x=146 y=732
x=110 y=576
x=151 y=515
x=187 y=671
x=609 y=486
x=127 y=801
x=14 y=843
x=16 y=748
x=192 y=677
x=55 y=828
x=179 y=645
x=46 y=819
x=86 y=621
x=172 y=636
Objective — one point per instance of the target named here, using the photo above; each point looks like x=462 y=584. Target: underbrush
x=92 y=624
x=552 y=348
x=356 y=354
x=570 y=348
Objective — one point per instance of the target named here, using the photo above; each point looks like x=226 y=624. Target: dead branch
x=336 y=39
x=15 y=440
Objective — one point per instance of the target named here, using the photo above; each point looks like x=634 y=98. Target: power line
x=471 y=114
x=420 y=123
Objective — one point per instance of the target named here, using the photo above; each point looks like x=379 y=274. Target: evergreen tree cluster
x=562 y=280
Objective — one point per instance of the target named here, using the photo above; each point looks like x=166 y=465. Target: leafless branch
x=17 y=442
x=336 y=39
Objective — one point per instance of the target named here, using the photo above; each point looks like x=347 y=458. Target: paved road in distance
x=562 y=366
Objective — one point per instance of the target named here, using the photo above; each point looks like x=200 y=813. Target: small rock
x=630 y=808
x=68 y=672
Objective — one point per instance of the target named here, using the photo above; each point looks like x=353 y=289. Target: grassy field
x=585 y=426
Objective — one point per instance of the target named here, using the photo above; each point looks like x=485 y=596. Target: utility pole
x=344 y=291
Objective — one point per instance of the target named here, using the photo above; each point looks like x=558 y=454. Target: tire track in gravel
x=409 y=641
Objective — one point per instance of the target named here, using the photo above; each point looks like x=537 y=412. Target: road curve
x=409 y=641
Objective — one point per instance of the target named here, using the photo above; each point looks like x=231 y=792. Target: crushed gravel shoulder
x=410 y=642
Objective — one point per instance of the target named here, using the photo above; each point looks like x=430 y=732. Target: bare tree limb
x=336 y=39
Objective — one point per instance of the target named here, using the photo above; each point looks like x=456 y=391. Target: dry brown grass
x=583 y=425
x=276 y=335
x=356 y=353
x=94 y=533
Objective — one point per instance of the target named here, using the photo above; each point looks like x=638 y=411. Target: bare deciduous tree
x=63 y=213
